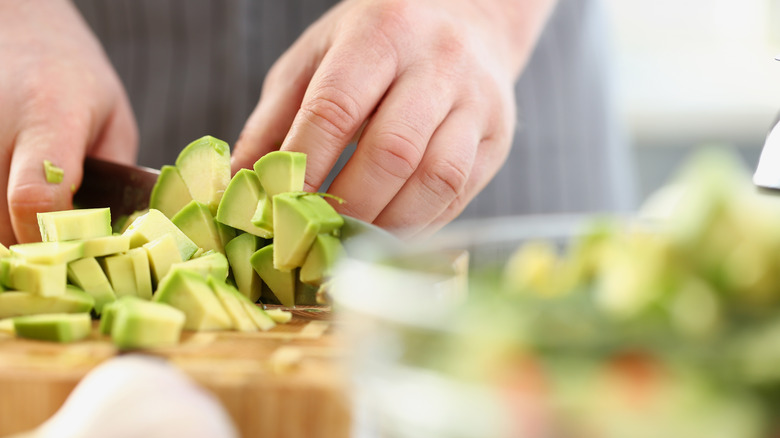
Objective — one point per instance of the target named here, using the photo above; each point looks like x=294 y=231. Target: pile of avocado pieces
x=205 y=252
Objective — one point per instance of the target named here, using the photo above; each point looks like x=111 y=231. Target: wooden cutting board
x=286 y=382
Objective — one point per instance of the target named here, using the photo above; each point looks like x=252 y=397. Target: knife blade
x=123 y=188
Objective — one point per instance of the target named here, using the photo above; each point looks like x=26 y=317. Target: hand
x=429 y=82
x=59 y=100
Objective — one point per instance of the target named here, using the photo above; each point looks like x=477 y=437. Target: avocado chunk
x=7 y=326
x=129 y=273
x=281 y=283
x=279 y=316
x=196 y=221
x=169 y=193
x=87 y=274
x=213 y=264
x=4 y=252
x=74 y=300
x=264 y=216
x=162 y=253
x=48 y=253
x=154 y=224
x=299 y=217
x=107 y=316
x=238 y=252
x=261 y=319
x=80 y=224
x=53 y=174
x=323 y=255
x=57 y=327
x=238 y=205
x=230 y=298
x=190 y=293
x=204 y=166
x=281 y=171
x=21 y=275
x=103 y=246
x=137 y=324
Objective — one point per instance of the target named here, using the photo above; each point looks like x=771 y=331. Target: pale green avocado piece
x=57 y=327
x=298 y=219
x=264 y=213
x=213 y=264
x=162 y=253
x=86 y=223
x=323 y=255
x=204 y=166
x=107 y=316
x=129 y=273
x=121 y=227
x=240 y=202
x=226 y=232
x=190 y=293
x=74 y=300
x=4 y=252
x=281 y=171
x=238 y=252
x=169 y=193
x=154 y=224
x=103 y=246
x=137 y=324
x=281 y=283
x=48 y=253
x=196 y=221
x=7 y=326
x=257 y=314
x=87 y=274
x=21 y=275
x=53 y=174
x=279 y=316
x=227 y=295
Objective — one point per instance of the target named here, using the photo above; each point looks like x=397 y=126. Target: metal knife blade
x=123 y=188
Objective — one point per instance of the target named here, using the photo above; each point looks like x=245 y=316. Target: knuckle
x=334 y=111
x=445 y=178
x=397 y=154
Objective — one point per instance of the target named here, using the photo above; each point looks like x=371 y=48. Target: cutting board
x=287 y=382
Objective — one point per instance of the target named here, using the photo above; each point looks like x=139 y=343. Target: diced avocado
x=103 y=246
x=190 y=293
x=214 y=264
x=240 y=202
x=21 y=275
x=74 y=300
x=4 y=252
x=119 y=227
x=162 y=253
x=139 y=324
x=298 y=219
x=7 y=326
x=80 y=224
x=231 y=301
x=169 y=193
x=154 y=224
x=48 y=253
x=258 y=315
x=281 y=283
x=226 y=232
x=107 y=316
x=238 y=252
x=129 y=273
x=323 y=255
x=53 y=174
x=204 y=166
x=57 y=327
x=264 y=214
x=281 y=171
x=279 y=316
x=87 y=274
x=196 y=221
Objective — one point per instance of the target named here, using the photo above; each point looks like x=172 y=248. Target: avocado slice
x=279 y=316
x=162 y=253
x=231 y=301
x=21 y=275
x=204 y=166
x=196 y=221
x=213 y=264
x=169 y=194
x=239 y=203
x=79 y=224
x=137 y=324
x=190 y=293
x=107 y=316
x=48 y=253
x=264 y=216
x=57 y=327
x=87 y=274
x=281 y=283
x=74 y=300
x=129 y=273
x=281 y=171
x=103 y=246
x=53 y=174
x=4 y=252
x=7 y=326
x=154 y=224
x=238 y=252
x=323 y=255
x=256 y=313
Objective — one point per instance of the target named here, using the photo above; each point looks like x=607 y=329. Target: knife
x=123 y=188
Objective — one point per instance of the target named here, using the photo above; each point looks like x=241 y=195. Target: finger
x=392 y=145
x=440 y=178
x=118 y=141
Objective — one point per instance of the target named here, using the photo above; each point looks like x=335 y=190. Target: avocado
x=4 y=252
x=103 y=246
x=87 y=274
x=226 y=232
x=162 y=253
x=48 y=253
x=137 y=324
x=204 y=166
x=279 y=316
x=169 y=193
x=190 y=293
x=299 y=217
x=323 y=255
x=196 y=221
x=21 y=275
x=281 y=171
x=79 y=224
x=74 y=300
x=129 y=273
x=231 y=301
x=261 y=319
x=213 y=264
x=154 y=224
x=7 y=326
x=57 y=327
x=264 y=216
x=53 y=174
x=239 y=203
x=107 y=316
x=281 y=283
x=238 y=252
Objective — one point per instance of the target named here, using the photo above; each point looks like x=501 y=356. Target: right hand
x=60 y=100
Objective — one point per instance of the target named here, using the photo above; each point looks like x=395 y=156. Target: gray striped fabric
x=195 y=67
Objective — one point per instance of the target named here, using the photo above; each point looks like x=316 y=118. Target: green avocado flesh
x=281 y=171
x=74 y=300
x=129 y=273
x=87 y=274
x=57 y=327
x=48 y=253
x=230 y=298
x=169 y=194
x=134 y=323
x=191 y=293
x=196 y=222
x=153 y=225
x=204 y=166
x=281 y=283
x=42 y=279
x=162 y=253
x=322 y=256
x=238 y=252
x=53 y=174
x=214 y=264
x=239 y=204
x=80 y=224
